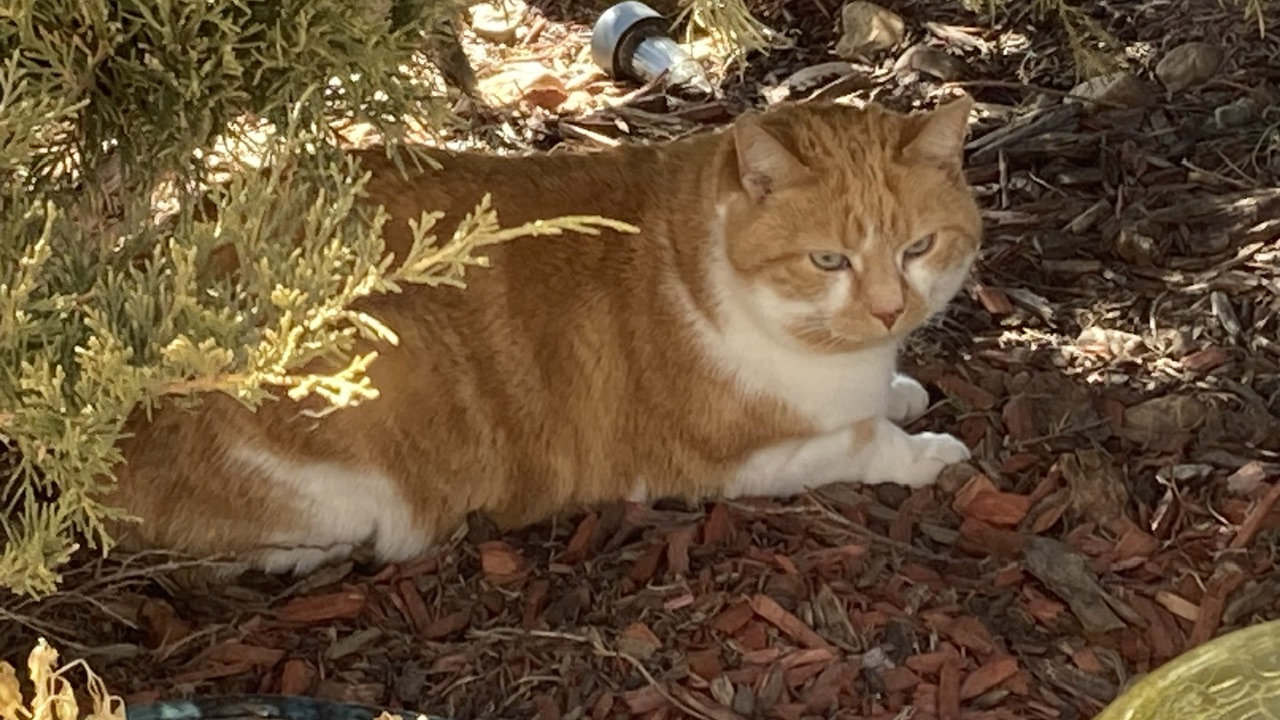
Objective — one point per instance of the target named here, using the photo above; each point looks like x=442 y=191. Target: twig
x=597 y=645
x=581 y=133
x=1249 y=528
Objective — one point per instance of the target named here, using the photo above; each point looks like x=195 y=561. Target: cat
x=744 y=343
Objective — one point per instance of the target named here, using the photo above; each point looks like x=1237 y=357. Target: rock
x=866 y=29
x=930 y=61
x=1188 y=65
x=1118 y=89
x=497 y=20
x=530 y=82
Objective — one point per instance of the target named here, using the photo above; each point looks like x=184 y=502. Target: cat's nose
x=888 y=317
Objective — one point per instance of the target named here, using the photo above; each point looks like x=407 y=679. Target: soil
x=1114 y=364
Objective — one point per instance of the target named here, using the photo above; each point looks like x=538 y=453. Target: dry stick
x=600 y=650
x=581 y=133
x=1006 y=84
x=1249 y=528
x=845 y=523
x=45 y=629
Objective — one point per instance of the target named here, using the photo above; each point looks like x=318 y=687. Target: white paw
x=910 y=460
x=907 y=399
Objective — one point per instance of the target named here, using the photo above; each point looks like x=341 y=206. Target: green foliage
x=118 y=120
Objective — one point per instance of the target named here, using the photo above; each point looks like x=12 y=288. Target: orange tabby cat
x=743 y=343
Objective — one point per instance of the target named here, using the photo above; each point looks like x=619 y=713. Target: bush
x=119 y=119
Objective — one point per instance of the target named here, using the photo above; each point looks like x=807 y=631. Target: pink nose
x=888 y=317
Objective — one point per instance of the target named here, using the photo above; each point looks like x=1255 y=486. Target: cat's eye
x=829 y=261
x=920 y=247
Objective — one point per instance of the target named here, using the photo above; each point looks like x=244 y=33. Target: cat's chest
x=830 y=391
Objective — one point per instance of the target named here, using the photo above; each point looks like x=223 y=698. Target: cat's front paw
x=907 y=399
x=910 y=460
x=933 y=452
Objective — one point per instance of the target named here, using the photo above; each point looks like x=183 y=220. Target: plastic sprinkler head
x=630 y=40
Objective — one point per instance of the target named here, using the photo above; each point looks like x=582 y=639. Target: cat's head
x=847 y=227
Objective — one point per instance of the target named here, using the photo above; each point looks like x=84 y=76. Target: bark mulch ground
x=1115 y=365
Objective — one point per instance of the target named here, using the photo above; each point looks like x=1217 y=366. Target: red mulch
x=1114 y=366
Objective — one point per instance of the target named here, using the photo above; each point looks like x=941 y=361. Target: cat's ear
x=937 y=137
x=765 y=166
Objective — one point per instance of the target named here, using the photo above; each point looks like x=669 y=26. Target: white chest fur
x=830 y=390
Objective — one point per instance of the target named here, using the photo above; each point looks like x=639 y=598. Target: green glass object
x=1232 y=677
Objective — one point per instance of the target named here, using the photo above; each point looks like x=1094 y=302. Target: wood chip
x=296 y=677
x=576 y=549
x=949 y=690
x=1249 y=529
x=994 y=300
x=987 y=677
x=499 y=559
x=767 y=608
x=1226 y=579
x=639 y=641
x=345 y=604
x=999 y=508
x=1067 y=574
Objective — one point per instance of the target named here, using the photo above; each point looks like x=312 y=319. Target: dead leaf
x=866 y=28
x=929 y=61
x=1157 y=418
x=1249 y=480
x=1188 y=65
x=530 y=82
x=1120 y=89
x=1094 y=487
x=1110 y=343
x=1066 y=573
